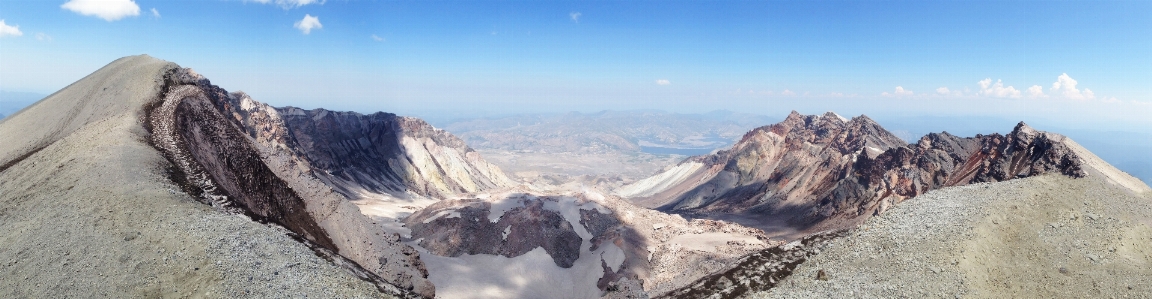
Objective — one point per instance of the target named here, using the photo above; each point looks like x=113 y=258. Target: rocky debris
x=677 y=251
x=216 y=160
x=823 y=172
x=758 y=272
x=992 y=240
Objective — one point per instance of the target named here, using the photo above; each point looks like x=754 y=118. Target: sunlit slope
x=87 y=210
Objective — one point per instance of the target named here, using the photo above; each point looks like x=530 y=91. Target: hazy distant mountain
x=625 y=131
x=195 y=173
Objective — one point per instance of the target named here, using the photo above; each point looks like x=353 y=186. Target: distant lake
x=675 y=151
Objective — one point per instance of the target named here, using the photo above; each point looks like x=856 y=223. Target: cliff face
x=385 y=153
x=828 y=172
x=235 y=154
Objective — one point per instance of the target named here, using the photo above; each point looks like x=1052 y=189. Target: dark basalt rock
x=471 y=232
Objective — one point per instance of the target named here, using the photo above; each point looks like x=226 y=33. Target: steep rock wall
x=825 y=172
x=219 y=162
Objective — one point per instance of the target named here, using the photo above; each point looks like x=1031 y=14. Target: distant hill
x=650 y=131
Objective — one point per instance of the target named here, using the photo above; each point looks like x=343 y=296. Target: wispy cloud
x=787 y=93
x=899 y=92
x=377 y=38
x=288 y=4
x=9 y=30
x=1066 y=86
x=575 y=16
x=155 y=13
x=40 y=36
x=308 y=23
x=942 y=90
x=663 y=82
x=997 y=90
x=109 y=10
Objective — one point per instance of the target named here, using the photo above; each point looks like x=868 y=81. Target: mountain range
x=144 y=179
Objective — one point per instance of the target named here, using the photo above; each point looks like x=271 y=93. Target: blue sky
x=485 y=57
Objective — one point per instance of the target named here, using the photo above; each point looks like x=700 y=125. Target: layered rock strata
x=216 y=159
x=813 y=173
x=385 y=153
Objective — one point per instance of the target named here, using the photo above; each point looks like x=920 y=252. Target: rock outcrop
x=356 y=154
x=814 y=173
x=235 y=164
x=89 y=207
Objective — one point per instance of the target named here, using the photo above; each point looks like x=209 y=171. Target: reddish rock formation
x=825 y=172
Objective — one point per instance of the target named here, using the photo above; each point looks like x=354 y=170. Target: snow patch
x=660 y=182
x=570 y=209
x=532 y=275
x=443 y=213
x=502 y=206
x=612 y=255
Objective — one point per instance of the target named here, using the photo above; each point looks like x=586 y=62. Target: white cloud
x=1036 y=92
x=109 y=10
x=155 y=13
x=1066 y=86
x=43 y=37
x=7 y=30
x=997 y=90
x=787 y=93
x=308 y=23
x=663 y=82
x=377 y=38
x=899 y=92
x=575 y=16
x=288 y=4
x=942 y=90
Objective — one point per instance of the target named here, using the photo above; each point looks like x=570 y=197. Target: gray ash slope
x=88 y=209
x=1048 y=236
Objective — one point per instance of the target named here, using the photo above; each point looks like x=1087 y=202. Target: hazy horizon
x=1071 y=63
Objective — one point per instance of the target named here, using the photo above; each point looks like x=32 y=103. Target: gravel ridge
x=87 y=210
x=1048 y=236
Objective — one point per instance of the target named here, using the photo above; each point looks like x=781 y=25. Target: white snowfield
x=532 y=275
x=660 y=182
